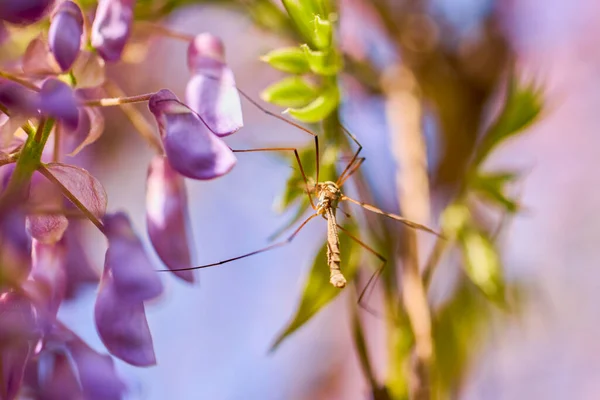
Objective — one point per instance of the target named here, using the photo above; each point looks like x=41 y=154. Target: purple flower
x=67 y=368
x=127 y=281
x=211 y=91
x=64 y=35
x=192 y=149
x=18 y=99
x=111 y=27
x=23 y=12
x=134 y=275
x=20 y=335
x=57 y=99
x=48 y=276
x=77 y=265
x=166 y=209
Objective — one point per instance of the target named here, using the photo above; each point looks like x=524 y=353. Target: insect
x=328 y=195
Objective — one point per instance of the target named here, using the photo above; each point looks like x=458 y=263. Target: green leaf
x=492 y=187
x=454 y=218
x=318 y=292
x=319 y=108
x=523 y=104
x=327 y=62
x=292 y=91
x=459 y=328
x=323 y=33
x=288 y=59
x=482 y=263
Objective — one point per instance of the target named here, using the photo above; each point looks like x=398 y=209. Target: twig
x=403 y=110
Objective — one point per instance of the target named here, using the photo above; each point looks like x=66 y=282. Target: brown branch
x=403 y=110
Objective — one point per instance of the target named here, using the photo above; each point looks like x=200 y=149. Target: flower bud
x=23 y=12
x=64 y=35
x=111 y=27
x=191 y=147
x=166 y=216
x=57 y=99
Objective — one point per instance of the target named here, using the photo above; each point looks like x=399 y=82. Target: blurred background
x=212 y=339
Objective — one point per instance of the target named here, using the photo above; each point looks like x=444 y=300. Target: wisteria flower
x=211 y=91
x=111 y=27
x=192 y=149
x=23 y=12
x=64 y=35
x=166 y=219
x=128 y=280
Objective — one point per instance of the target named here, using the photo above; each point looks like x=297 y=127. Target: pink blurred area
x=212 y=340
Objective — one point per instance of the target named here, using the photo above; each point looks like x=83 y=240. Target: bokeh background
x=212 y=339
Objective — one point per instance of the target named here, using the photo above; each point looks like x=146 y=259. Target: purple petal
x=97 y=373
x=212 y=92
x=54 y=377
x=64 y=35
x=166 y=219
x=23 y=12
x=89 y=70
x=38 y=60
x=191 y=148
x=122 y=324
x=43 y=194
x=135 y=279
x=8 y=126
x=77 y=265
x=89 y=129
x=58 y=100
x=4 y=34
x=48 y=272
x=111 y=27
x=88 y=190
x=204 y=45
x=15 y=245
x=18 y=99
x=20 y=334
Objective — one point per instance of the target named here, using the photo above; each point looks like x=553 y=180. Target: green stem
x=27 y=163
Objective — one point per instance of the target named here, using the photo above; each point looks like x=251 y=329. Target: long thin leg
x=351 y=171
x=308 y=191
x=292 y=123
x=264 y=249
x=373 y=277
x=355 y=140
x=405 y=221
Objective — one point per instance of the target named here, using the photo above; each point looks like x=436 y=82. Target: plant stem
x=117 y=101
x=20 y=81
x=402 y=93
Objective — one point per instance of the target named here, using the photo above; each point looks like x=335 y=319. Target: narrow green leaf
x=323 y=33
x=492 y=187
x=288 y=59
x=523 y=104
x=295 y=187
x=319 y=108
x=482 y=263
x=454 y=218
x=318 y=292
x=327 y=62
x=292 y=91
x=459 y=328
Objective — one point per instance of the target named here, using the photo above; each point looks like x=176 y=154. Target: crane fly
x=329 y=196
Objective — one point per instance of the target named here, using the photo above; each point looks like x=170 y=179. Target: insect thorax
x=328 y=194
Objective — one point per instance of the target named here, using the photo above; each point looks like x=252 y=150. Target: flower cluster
x=50 y=101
